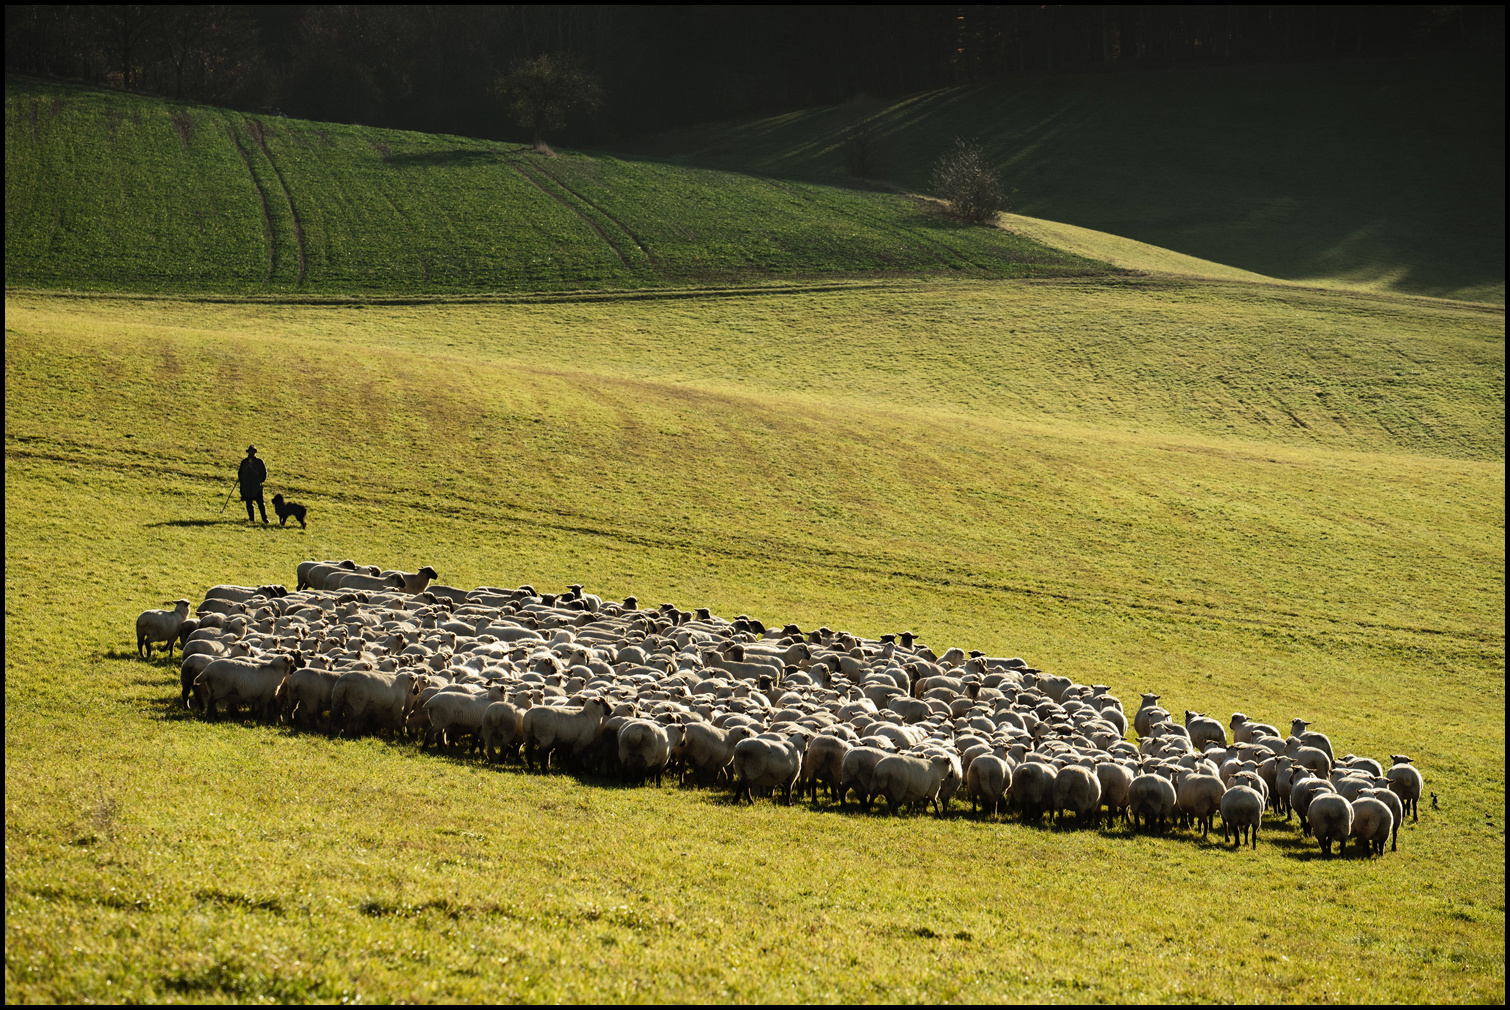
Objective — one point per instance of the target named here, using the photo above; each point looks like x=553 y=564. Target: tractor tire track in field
x=602 y=234
x=259 y=134
x=599 y=208
x=942 y=579
x=267 y=213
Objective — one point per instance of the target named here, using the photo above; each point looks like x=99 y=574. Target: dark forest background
x=429 y=68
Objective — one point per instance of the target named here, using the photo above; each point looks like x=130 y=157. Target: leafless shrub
x=964 y=180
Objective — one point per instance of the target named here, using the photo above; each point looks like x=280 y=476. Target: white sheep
x=1204 y=729
x=244 y=682
x=1396 y=807
x=859 y=767
x=644 y=749
x=548 y=730
x=1116 y=779
x=414 y=582
x=824 y=763
x=1033 y=788
x=502 y=729
x=160 y=626
x=768 y=761
x=987 y=779
x=1242 y=810
x=1331 y=820
x=1077 y=788
x=1150 y=798
x=360 y=694
x=1372 y=822
x=906 y=780
x=706 y=750
x=1406 y=782
x=1198 y=798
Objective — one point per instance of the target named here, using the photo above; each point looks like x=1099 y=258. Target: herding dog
x=288 y=508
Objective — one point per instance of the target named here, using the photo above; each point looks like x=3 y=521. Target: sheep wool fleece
x=252 y=475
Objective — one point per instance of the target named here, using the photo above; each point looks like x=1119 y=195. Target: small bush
x=964 y=180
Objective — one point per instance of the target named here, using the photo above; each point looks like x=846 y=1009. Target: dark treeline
x=429 y=67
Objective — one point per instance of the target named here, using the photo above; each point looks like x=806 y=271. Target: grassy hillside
x=1242 y=497
x=112 y=191
x=1382 y=174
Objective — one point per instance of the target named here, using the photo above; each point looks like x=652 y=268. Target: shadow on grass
x=454 y=158
x=222 y=521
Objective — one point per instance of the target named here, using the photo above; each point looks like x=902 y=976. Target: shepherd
x=251 y=477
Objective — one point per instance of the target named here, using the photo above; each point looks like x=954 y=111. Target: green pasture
x=1242 y=496
x=113 y=191
x=1379 y=174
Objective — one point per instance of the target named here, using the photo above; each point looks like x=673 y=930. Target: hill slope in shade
x=104 y=190
x=1379 y=174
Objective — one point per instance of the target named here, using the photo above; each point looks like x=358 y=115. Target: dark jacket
x=251 y=477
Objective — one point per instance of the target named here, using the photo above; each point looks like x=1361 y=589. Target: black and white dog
x=285 y=509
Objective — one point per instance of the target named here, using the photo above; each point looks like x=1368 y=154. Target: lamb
x=905 y=780
x=1242 y=810
x=160 y=626
x=1406 y=782
x=1331 y=819
x=548 y=729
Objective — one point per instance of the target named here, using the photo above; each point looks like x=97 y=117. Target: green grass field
x=1136 y=465
x=1379 y=174
x=877 y=457
x=117 y=192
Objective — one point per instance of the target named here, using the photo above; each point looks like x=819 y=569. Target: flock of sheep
x=616 y=689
